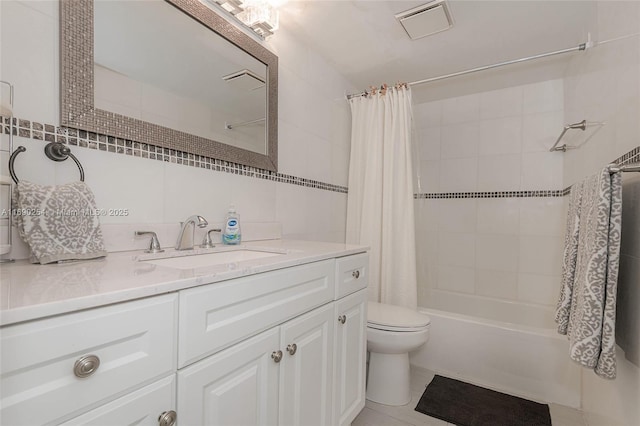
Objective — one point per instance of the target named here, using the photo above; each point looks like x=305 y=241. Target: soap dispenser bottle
x=231 y=233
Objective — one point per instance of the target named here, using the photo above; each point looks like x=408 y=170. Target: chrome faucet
x=185 y=238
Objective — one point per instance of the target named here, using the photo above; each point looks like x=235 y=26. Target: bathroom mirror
x=169 y=73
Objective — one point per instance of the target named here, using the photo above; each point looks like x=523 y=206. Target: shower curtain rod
x=582 y=46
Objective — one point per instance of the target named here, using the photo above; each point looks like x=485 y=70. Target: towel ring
x=55 y=151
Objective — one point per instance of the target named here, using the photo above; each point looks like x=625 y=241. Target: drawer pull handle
x=292 y=349
x=86 y=366
x=342 y=319
x=168 y=418
x=356 y=274
x=277 y=356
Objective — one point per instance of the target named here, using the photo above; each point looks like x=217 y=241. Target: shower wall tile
x=542 y=216
x=456 y=249
x=497 y=284
x=541 y=170
x=428 y=114
x=498 y=216
x=499 y=172
x=459 y=141
x=540 y=130
x=501 y=103
x=501 y=136
x=429 y=143
x=497 y=252
x=539 y=289
x=429 y=173
x=456 y=279
x=463 y=109
x=458 y=174
x=492 y=142
x=543 y=97
x=457 y=215
x=540 y=255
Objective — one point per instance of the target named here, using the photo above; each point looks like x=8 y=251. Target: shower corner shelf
x=582 y=125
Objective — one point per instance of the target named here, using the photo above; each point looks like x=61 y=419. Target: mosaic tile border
x=101 y=142
x=492 y=194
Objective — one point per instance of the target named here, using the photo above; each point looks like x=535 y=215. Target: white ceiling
x=368 y=46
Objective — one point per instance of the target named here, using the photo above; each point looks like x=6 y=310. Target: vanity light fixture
x=259 y=15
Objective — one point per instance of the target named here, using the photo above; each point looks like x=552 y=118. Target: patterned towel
x=592 y=306
x=58 y=222
x=569 y=258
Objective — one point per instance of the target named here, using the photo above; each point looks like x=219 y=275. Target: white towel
x=592 y=310
x=58 y=222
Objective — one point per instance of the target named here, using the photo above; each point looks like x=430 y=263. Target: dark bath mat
x=468 y=405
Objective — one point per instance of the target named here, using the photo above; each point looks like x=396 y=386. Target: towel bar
x=55 y=151
x=575 y=126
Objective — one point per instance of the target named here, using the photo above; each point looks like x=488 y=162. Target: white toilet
x=392 y=332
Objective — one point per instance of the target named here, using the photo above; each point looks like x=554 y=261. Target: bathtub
x=527 y=359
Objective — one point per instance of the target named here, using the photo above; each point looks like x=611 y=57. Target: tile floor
x=375 y=414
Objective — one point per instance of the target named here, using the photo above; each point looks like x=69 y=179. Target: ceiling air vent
x=244 y=80
x=425 y=20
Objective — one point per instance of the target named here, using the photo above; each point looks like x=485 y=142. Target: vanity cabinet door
x=141 y=408
x=307 y=368
x=54 y=369
x=350 y=357
x=238 y=386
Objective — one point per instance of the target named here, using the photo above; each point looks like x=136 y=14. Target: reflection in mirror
x=187 y=78
x=137 y=89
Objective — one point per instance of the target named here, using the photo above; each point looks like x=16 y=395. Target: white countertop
x=30 y=291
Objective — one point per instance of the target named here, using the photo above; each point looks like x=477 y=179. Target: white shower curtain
x=380 y=200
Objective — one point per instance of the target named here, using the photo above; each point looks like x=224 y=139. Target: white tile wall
x=505 y=248
x=314 y=123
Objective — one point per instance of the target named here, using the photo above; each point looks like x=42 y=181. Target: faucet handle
x=154 y=246
x=207 y=242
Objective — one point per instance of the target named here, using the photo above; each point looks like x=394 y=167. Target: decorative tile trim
x=632 y=156
x=492 y=194
x=101 y=142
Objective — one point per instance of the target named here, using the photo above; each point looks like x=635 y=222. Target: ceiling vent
x=425 y=20
x=244 y=80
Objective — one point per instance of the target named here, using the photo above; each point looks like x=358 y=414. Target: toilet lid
x=398 y=318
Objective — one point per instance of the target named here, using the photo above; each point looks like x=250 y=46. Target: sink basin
x=210 y=259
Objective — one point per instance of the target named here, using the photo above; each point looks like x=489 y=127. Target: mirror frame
x=77 y=108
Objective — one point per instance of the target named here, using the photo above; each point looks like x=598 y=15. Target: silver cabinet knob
x=277 y=356
x=86 y=366
x=342 y=319
x=168 y=418
x=355 y=274
x=292 y=348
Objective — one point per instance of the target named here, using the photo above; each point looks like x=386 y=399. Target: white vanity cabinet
x=54 y=369
x=284 y=347
x=309 y=370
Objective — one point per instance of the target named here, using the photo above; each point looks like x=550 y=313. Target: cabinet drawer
x=142 y=407
x=352 y=274
x=216 y=316
x=134 y=341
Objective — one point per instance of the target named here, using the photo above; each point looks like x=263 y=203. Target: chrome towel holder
x=55 y=151
x=575 y=126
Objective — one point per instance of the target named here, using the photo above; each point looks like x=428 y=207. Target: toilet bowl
x=392 y=332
